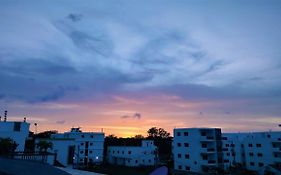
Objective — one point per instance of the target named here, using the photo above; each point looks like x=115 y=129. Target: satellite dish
x=160 y=171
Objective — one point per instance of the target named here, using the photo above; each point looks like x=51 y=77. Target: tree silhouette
x=43 y=145
x=7 y=146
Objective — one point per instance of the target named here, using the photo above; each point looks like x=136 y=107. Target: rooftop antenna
x=24 y=119
x=5 y=116
x=0 y=118
x=35 y=124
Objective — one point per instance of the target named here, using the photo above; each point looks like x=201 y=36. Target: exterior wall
x=255 y=151
x=133 y=156
x=197 y=149
x=88 y=147
x=18 y=134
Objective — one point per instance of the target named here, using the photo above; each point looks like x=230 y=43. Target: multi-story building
x=205 y=149
x=256 y=151
x=144 y=155
x=17 y=131
x=77 y=147
x=197 y=149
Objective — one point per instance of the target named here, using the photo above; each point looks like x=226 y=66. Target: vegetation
x=7 y=146
x=43 y=146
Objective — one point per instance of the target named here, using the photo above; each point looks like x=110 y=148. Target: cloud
x=134 y=116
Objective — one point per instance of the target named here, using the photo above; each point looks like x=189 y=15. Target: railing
x=44 y=157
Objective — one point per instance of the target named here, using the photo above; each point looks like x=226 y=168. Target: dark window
x=203 y=133
x=260 y=164
x=117 y=152
x=179 y=155
x=195 y=162
x=92 y=136
x=122 y=152
x=187 y=168
x=178 y=134
x=113 y=152
x=250 y=145
x=224 y=138
x=185 y=133
x=129 y=161
x=17 y=126
x=81 y=152
x=81 y=160
x=242 y=145
x=143 y=160
x=180 y=167
x=226 y=161
x=233 y=154
x=82 y=136
x=228 y=154
x=149 y=160
x=82 y=144
x=258 y=145
x=269 y=136
x=91 y=144
x=136 y=161
x=91 y=152
x=252 y=163
x=186 y=145
x=204 y=145
x=129 y=152
x=205 y=157
x=260 y=155
x=186 y=156
x=251 y=154
x=232 y=145
x=226 y=145
x=179 y=144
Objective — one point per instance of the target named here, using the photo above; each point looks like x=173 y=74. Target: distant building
x=206 y=149
x=197 y=149
x=17 y=131
x=257 y=151
x=133 y=156
x=78 y=148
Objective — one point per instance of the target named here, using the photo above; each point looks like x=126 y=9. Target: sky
x=125 y=66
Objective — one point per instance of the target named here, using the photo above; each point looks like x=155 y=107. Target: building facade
x=206 y=149
x=17 y=131
x=197 y=149
x=133 y=156
x=77 y=147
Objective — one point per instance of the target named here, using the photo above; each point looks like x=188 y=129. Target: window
x=226 y=145
x=129 y=152
x=91 y=152
x=187 y=168
x=91 y=144
x=122 y=152
x=92 y=136
x=113 y=152
x=179 y=144
x=186 y=145
x=252 y=163
x=82 y=136
x=17 y=126
x=224 y=138
x=203 y=133
x=179 y=155
x=268 y=136
x=204 y=145
x=260 y=164
x=178 y=134
x=185 y=133
x=233 y=154
x=136 y=161
x=232 y=145
x=81 y=144
x=204 y=157
x=81 y=160
x=226 y=161
x=260 y=155
x=250 y=145
x=149 y=160
x=251 y=154
x=180 y=167
x=228 y=154
x=143 y=160
x=186 y=156
x=81 y=152
x=258 y=145
x=117 y=152
x=242 y=145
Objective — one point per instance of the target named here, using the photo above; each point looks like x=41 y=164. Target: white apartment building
x=77 y=147
x=256 y=151
x=205 y=149
x=17 y=131
x=197 y=149
x=133 y=156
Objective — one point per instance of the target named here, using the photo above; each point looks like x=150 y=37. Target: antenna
x=5 y=116
x=24 y=119
x=0 y=118
x=35 y=124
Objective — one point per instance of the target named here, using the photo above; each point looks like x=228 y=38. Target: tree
x=43 y=145
x=157 y=133
x=138 y=136
x=46 y=134
x=7 y=146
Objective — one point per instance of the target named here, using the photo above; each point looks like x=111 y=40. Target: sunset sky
x=126 y=66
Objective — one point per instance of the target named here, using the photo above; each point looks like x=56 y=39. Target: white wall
x=7 y=131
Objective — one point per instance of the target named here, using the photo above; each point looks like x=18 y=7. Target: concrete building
x=17 y=131
x=197 y=149
x=133 y=156
x=206 y=149
x=257 y=151
x=77 y=147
